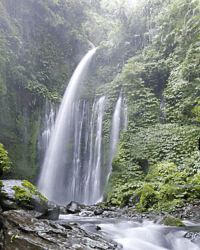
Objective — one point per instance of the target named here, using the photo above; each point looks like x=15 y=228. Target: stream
x=138 y=234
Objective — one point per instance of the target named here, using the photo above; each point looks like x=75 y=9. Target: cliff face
x=39 y=46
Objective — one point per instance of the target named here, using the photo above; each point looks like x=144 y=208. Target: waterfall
x=115 y=129
x=44 y=137
x=162 y=115
x=48 y=124
x=55 y=180
x=125 y=117
x=80 y=127
x=93 y=191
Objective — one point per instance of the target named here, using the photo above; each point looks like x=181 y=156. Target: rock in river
x=17 y=194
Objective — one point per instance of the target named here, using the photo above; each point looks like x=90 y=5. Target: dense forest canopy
x=147 y=49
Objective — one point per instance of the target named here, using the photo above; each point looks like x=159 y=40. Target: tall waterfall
x=57 y=174
x=115 y=129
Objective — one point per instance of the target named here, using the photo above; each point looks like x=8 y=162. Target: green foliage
x=168 y=142
x=149 y=197
x=4 y=160
x=159 y=171
x=163 y=189
x=1 y=185
x=121 y=193
x=196 y=111
x=123 y=181
x=171 y=152
x=13 y=237
x=37 y=58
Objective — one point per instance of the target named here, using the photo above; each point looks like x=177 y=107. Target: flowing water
x=93 y=191
x=114 y=134
x=162 y=115
x=72 y=167
x=48 y=125
x=135 y=234
x=84 y=180
x=55 y=177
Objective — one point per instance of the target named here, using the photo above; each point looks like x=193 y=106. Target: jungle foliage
x=149 y=52
x=161 y=84
x=5 y=163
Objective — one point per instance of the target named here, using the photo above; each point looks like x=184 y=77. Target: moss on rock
x=33 y=189
x=171 y=221
x=21 y=194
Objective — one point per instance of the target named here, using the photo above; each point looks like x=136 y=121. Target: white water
x=136 y=235
x=147 y=236
x=55 y=177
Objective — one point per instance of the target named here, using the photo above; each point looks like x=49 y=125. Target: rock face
x=20 y=230
x=17 y=194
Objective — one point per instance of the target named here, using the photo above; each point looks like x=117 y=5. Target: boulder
x=17 y=194
x=98 y=211
x=73 y=207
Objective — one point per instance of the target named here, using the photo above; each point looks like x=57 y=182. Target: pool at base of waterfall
x=138 y=235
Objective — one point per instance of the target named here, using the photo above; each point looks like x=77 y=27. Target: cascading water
x=56 y=175
x=115 y=129
x=80 y=130
x=162 y=115
x=44 y=137
x=92 y=187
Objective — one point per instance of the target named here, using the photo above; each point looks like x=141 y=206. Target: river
x=138 y=234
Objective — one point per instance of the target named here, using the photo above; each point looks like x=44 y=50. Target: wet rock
x=66 y=225
x=73 y=207
x=189 y=235
x=87 y=213
x=16 y=195
x=63 y=210
x=20 y=230
x=98 y=211
x=193 y=236
x=98 y=228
